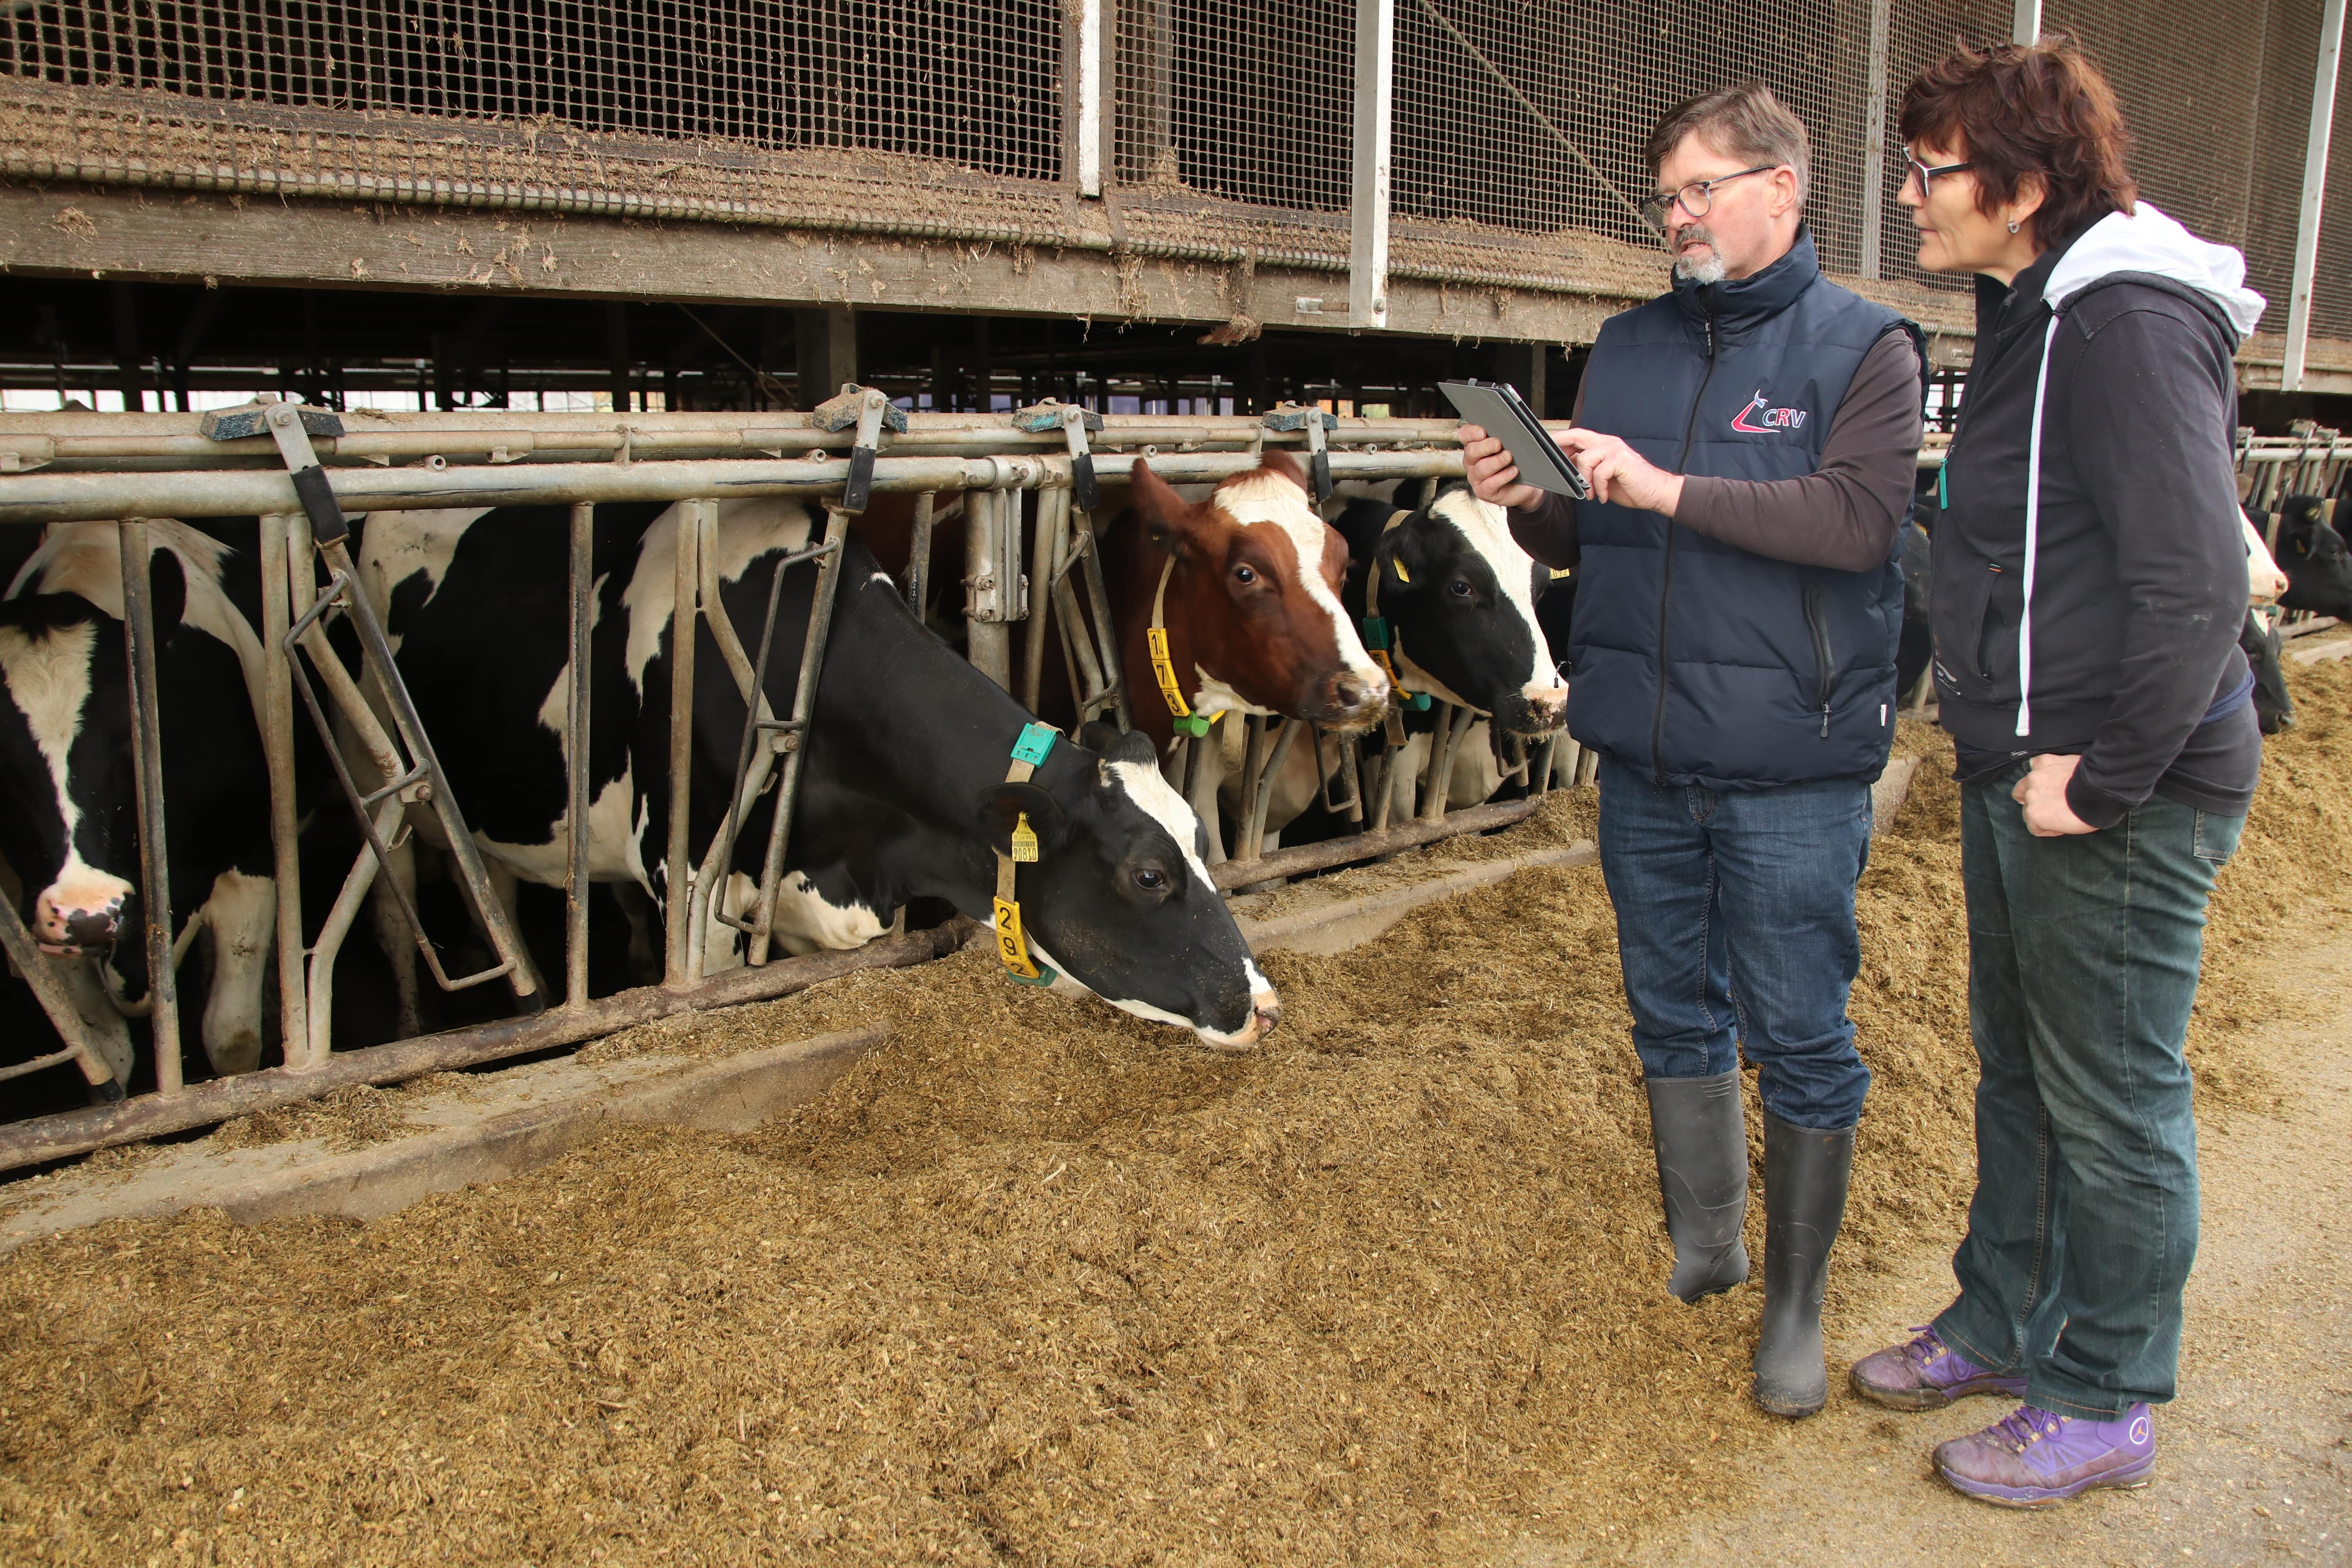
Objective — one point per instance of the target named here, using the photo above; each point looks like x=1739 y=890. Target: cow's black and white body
x=68 y=819
x=902 y=795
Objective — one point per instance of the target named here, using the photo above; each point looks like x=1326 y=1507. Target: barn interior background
x=740 y=204
x=1184 y=211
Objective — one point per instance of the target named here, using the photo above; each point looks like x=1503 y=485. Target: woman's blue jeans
x=1734 y=927
x=2083 y=959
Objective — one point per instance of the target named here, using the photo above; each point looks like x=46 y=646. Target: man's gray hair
x=1744 y=123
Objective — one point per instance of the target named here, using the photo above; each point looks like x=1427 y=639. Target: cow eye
x=1244 y=574
x=1459 y=587
x=1152 y=878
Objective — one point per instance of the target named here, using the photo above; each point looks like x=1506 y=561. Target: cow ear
x=1099 y=737
x=1134 y=746
x=1169 y=519
x=1277 y=460
x=1003 y=805
x=167 y=592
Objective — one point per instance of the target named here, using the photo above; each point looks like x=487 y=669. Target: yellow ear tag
x=1024 y=842
x=1402 y=576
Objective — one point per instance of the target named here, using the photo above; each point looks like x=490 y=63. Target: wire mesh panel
x=1537 y=116
x=1252 y=100
x=970 y=82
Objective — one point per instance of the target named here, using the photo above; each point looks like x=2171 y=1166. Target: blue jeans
x=1734 y=926
x=2083 y=957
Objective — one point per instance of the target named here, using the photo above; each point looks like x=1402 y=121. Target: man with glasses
x=1750 y=438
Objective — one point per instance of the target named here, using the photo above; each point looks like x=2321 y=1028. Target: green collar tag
x=1036 y=742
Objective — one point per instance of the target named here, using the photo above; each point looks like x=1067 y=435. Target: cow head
x=1119 y=901
x=68 y=810
x=1459 y=595
x=2312 y=554
x=1257 y=591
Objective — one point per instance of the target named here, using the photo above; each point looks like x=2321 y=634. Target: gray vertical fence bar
x=147 y=760
x=678 y=892
x=575 y=885
x=285 y=820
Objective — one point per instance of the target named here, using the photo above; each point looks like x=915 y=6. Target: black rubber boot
x=1702 y=1143
x=1804 y=1203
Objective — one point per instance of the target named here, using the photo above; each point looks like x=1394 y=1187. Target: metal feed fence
x=127 y=468
x=1196 y=129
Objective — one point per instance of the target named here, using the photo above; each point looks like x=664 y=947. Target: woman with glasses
x=2090 y=585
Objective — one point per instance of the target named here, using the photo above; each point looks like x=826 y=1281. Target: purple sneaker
x=2031 y=1458
x=1926 y=1374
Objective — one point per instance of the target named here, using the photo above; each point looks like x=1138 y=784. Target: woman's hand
x=1620 y=474
x=1493 y=476
x=2042 y=792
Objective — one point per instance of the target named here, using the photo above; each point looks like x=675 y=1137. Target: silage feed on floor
x=1037 y=1282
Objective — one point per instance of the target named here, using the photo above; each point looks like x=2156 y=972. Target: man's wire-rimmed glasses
x=1695 y=197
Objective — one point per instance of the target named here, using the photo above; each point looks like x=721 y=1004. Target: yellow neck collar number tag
x=1024 y=842
x=1012 y=946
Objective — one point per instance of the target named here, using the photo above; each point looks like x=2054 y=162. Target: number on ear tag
x=1012 y=947
x=1024 y=842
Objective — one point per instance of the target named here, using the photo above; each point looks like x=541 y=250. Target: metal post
x=147 y=761
x=2315 y=189
x=918 y=556
x=1089 y=95
x=1045 y=561
x=677 y=884
x=988 y=598
x=2025 y=23
x=1874 y=141
x=575 y=883
x=285 y=820
x=1368 y=251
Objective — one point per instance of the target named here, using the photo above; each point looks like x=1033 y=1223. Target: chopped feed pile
x=1037 y=1282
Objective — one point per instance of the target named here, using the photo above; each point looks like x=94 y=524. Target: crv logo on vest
x=1773 y=420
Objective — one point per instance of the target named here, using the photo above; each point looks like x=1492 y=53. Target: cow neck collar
x=1165 y=672
x=1034 y=743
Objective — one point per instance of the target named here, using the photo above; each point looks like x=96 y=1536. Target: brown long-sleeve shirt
x=1843 y=515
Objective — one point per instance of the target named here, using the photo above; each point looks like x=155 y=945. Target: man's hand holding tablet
x=1614 y=470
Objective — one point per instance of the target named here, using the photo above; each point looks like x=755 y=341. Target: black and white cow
x=68 y=818
x=2312 y=554
x=1460 y=599
x=903 y=793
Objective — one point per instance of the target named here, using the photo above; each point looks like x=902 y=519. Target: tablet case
x=1497 y=408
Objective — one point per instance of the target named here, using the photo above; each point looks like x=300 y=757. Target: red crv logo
x=1767 y=421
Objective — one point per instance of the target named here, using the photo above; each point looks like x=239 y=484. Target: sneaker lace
x=1925 y=1347
x=2024 y=1426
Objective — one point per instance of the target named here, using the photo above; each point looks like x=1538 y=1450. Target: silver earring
x=2012 y=225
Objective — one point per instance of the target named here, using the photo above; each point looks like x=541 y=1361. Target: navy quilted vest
x=1699 y=662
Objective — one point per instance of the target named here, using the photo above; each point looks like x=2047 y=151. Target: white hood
x=2152 y=242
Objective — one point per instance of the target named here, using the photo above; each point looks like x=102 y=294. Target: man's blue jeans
x=2083 y=959
x=1734 y=926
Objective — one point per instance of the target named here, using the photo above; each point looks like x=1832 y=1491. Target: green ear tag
x=1943 y=496
x=1191 y=725
x=1376 y=632
x=1419 y=701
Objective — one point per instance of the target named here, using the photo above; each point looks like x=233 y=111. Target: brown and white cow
x=1252 y=611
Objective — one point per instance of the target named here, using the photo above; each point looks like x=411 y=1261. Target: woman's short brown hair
x=2012 y=110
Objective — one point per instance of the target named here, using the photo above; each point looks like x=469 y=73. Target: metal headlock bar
x=302 y=469
x=421 y=780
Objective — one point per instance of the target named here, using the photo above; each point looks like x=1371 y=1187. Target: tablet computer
x=1497 y=408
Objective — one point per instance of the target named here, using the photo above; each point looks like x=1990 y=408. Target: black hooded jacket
x=2139 y=577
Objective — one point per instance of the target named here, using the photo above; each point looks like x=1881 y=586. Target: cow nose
x=70 y=932
x=1547 y=705
x=1264 y=1015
